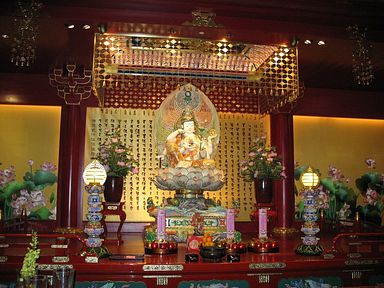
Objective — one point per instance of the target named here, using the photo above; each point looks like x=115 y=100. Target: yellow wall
x=29 y=132
x=341 y=142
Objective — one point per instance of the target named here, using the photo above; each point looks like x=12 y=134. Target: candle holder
x=310 y=228
x=236 y=247
x=161 y=247
x=94 y=228
x=94 y=177
x=263 y=244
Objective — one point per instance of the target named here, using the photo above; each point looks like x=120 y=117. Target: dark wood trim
x=282 y=139
x=27 y=89
x=341 y=103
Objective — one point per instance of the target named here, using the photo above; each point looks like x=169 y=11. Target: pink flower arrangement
x=263 y=163
x=117 y=158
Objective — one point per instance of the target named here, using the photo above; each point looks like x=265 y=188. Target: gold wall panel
x=238 y=131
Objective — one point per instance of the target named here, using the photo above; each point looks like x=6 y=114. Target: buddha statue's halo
x=185 y=98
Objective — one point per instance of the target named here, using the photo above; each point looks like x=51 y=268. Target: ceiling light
x=5 y=36
x=201 y=32
x=321 y=43
x=307 y=41
x=70 y=26
x=86 y=26
x=23 y=48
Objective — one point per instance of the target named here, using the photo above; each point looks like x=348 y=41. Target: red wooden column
x=71 y=157
x=282 y=139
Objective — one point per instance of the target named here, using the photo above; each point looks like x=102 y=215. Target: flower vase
x=113 y=189
x=36 y=281
x=264 y=189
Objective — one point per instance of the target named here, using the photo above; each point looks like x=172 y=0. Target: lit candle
x=263 y=223
x=230 y=223
x=160 y=224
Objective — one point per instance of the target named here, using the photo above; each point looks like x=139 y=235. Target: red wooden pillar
x=71 y=157
x=282 y=139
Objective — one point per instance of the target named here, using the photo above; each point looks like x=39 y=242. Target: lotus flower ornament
x=191 y=178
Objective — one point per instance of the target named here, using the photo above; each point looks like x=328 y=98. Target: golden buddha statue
x=185 y=146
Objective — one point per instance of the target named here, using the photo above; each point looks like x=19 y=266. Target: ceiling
x=249 y=21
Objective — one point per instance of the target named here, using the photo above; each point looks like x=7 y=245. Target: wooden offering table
x=111 y=208
x=351 y=259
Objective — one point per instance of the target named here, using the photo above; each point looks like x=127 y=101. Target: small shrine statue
x=185 y=147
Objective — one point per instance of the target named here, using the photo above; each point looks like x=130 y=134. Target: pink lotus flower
x=371 y=197
x=48 y=166
x=7 y=175
x=135 y=170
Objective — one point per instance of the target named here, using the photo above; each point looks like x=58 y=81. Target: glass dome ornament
x=94 y=173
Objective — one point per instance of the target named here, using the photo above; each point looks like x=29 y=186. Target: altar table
x=352 y=259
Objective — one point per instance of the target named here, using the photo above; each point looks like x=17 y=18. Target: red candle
x=160 y=224
x=230 y=223
x=262 y=223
